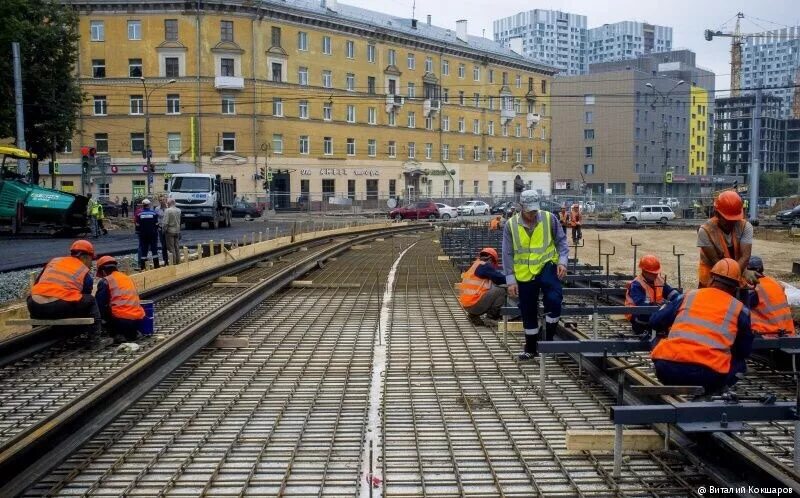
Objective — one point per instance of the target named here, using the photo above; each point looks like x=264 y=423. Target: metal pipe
x=21 y=163
x=618 y=450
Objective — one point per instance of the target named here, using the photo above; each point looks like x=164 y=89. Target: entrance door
x=281 y=192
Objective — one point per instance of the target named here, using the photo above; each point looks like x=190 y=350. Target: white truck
x=203 y=197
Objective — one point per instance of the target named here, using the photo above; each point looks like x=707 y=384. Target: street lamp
x=147 y=152
x=664 y=98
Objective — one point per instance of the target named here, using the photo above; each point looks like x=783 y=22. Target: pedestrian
x=535 y=254
x=118 y=301
x=91 y=210
x=725 y=235
x=648 y=289
x=769 y=310
x=147 y=230
x=575 y=222
x=125 y=205
x=709 y=334
x=162 y=206
x=479 y=288
x=172 y=230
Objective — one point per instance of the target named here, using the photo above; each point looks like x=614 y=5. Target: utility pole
x=755 y=158
x=22 y=164
x=666 y=152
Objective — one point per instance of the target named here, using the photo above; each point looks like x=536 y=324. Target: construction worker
x=64 y=289
x=563 y=218
x=575 y=223
x=494 y=223
x=118 y=301
x=479 y=291
x=769 y=311
x=725 y=235
x=647 y=289
x=709 y=334
x=535 y=254
x=147 y=229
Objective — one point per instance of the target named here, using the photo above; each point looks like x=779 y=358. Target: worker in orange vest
x=709 y=334
x=725 y=235
x=479 y=291
x=118 y=301
x=563 y=218
x=64 y=289
x=575 y=223
x=648 y=289
x=769 y=309
x=494 y=223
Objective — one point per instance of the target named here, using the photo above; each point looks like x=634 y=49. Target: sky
x=688 y=18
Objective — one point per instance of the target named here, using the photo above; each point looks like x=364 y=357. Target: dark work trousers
x=548 y=283
x=85 y=308
x=673 y=373
x=148 y=243
x=126 y=328
x=163 y=241
x=576 y=233
x=640 y=324
x=490 y=303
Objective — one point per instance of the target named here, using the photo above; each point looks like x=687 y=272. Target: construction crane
x=736 y=52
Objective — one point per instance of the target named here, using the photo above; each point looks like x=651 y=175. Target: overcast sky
x=688 y=18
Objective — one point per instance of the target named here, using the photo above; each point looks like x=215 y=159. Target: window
x=372 y=147
x=462 y=70
x=446 y=95
x=428 y=150
x=505 y=185
x=371 y=85
x=97 y=30
x=517 y=130
x=530 y=132
x=229 y=141
x=302 y=41
x=134 y=68
x=461 y=152
x=372 y=190
x=174 y=143
x=445 y=67
x=100 y=105
x=137 y=105
x=412 y=150
x=476 y=126
x=372 y=114
x=412 y=90
x=412 y=61
x=491 y=76
x=328 y=188
x=67 y=147
x=588 y=151
x=350 y=82
x=171 y=29
x=588 y=117
x=445 y=152
x=351 y=114
x=445 y=123
x=518 y=155
x=544 y=87
x=351 y=146
x=277 y=72
x=491 y=187
x=428 y=64
x=412 y=119
x=326 y=45
x=588 y=99
x=461 y=188
x=504 y=155
x=446 y=188
x=490 y=154
x=226 y=67
x=303 y=146
x=530 y=155
x=98 y=68
x=327 y=146
x=392 y=150
x=429 y=123
x=302 y=76
x=392 y=56
x=327 y=111
x=101 y=142
x=476 y=73
x=460 y=98
x=171 y=67
x=491 y=103
x=226 y=31
x=392 y=118
x=327 y=79
x=228 y=104
x=476 y=153
x=137 y=143
x=134 y=30
x=461 y=125
x=350 y=49
x=392 y=188
x=370 y=53
x=276 y=36
x=277 y=107
x=475 y=186
x=302 y=111
x=491 y=128
x=504 y=130
x=588 y=169
x=587 y=135
x=518 y=81
x=351 y=189
x=392 y=86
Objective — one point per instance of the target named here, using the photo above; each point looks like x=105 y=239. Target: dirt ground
x=776 y=248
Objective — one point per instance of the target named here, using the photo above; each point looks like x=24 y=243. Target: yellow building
x=333 y=99
x=699 y=133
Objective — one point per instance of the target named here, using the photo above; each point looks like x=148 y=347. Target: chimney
x=429 y=19
x=414 y=23
x=461 y=29
x=330 y=5
x=515 y=44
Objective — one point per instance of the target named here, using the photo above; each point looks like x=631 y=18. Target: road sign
x=668 y=177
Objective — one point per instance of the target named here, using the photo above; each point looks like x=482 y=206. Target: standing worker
x=118 y=301
x=535 y=254
x=709 y=334
x=125 y=206
x=575 y=222
x=563 y=218
x=770 y=313
x=494 y=223
x=147 y=229
x=647 y=289
x=479 y=291
x=172 y=230
x=162 y=239
x=725 y=235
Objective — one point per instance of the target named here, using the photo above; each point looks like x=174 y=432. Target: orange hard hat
x=729 y=205
x=650 y=263
x=82 y=246
x=575 y=206
x=106 y=260
x=728 y=270
x=491 y=252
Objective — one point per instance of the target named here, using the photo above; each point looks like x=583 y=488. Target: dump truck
x=203 y=198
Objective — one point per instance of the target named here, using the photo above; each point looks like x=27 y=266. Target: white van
x=658 y=213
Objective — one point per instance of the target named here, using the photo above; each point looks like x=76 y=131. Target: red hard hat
x=729 y=205
x=82 y=246
x=491 y=252
x=650 y=263
x=728 y=269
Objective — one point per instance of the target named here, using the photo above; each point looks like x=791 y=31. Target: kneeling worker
x=771 y=314
x=647 y=289
x=64 y=289
x=709 y=334
x=479 y=287
x=118 y=301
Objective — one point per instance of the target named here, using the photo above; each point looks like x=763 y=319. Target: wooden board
x=512 y=327
x=379 y=239
x=310 y=284
x=228 y=280
x=230 y=342
x=37 y=322
x=235 y=285
x=443 y=258
x=603 y=440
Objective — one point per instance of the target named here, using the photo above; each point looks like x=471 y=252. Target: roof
x=17 y=153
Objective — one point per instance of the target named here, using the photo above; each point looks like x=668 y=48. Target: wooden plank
x=603 y=440
x=230 y=342
x=359 y=247
x=666 y=390
x=443 y=258
x=512 y=327
x=333 y=285
x=379 y=239
x=38 y=322
x=302 y=283
x=228 y=280
x=232 y=285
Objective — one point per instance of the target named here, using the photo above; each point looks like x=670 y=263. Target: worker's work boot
x=156 y=263
x=550 y=331
x=531 y=345
x=142 y=266
x=474 y=319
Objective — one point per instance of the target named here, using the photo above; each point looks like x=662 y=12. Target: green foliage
x=776 y=184
x=47 y=32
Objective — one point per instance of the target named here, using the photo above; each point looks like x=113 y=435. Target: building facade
x=552 y=37
x=772 y=61
x=626 y=40
x=334 y=100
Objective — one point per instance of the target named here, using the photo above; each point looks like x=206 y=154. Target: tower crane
x=736 y=52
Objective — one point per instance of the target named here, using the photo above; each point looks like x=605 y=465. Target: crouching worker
x=64 y=289
x=769 y=312
x=118 y=301
x=709 y=334
x=480 y=293
x=647 y=289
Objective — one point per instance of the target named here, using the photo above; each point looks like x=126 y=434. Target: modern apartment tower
x=626 y=40
x=772 y=61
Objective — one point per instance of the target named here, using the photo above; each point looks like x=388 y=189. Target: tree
x=776 y=184
x=48 y=36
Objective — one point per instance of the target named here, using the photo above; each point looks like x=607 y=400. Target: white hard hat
x=146 y=202
x=529 y=200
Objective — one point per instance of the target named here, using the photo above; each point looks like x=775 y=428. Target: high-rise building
x=551 y=37
x=626 y=40
x=772 y=61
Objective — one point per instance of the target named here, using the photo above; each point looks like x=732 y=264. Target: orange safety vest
x=704 y=330
x=62 y=279
x=494 y=224
x=717 y=238
x=655 y=296
x=772 y=314
x=575 y=218
x=472 y=287
x=124 y=299
x=563 y=217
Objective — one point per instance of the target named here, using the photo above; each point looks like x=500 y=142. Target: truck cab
x=202 y=198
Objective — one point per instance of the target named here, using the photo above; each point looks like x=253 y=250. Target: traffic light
x=85 y=167
x=152 y=167
x=51 y=169
x=55 y=168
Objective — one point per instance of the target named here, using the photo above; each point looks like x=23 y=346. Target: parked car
x=474 y=207
x=650 y=213
x=627 y=205
x=789 y=216
x=500 y=207
x=110 y=208
x=669 y=201
x=446 y=211
x=416 y=211
x=243 y=209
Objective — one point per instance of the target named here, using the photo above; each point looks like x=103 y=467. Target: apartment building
x=337 y=101
x=626 y=40
x=772 y=61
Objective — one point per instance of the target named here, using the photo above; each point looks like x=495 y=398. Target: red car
x=416 y=211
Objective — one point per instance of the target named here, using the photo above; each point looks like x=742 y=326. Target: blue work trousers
x=148 y=243
x=549 y=285
x=673 y=373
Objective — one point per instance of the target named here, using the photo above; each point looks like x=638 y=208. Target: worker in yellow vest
x=479 y=292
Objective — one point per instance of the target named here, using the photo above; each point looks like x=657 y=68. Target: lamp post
x=664 y=98
x=147 y=152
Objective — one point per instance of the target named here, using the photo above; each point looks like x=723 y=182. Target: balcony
x=429 y=106
x=506 y=115
x=532 y=119
x=229 y=83
x=393 y=102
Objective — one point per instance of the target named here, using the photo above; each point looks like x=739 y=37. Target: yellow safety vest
x=532 y=252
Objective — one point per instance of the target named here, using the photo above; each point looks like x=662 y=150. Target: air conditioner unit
x=174 y=157
x=218 y=149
